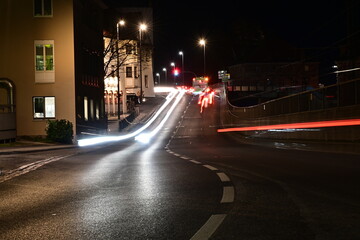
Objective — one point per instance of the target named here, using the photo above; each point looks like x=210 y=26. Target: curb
x=34 y=149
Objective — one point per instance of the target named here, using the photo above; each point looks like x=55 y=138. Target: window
x=91 y=108
x=44 y=57
x=44 y=61
x=146 y=81
x=42 y=8
x=86 y=113
x=44 y=107
x=129 y=48
x=135 y=72
x=97 y=111
x=128 y=72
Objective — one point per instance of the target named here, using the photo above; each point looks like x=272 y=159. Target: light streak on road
x=320 y=124
x=103 y=139
x=145 y=137
x=163 y=89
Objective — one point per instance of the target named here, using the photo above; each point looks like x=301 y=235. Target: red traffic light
x=176 y=71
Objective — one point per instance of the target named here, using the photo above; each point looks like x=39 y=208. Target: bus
x=199 y=84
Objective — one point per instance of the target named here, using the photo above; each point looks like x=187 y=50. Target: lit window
x=44 y=61
x=44 y=107
x=43 y=8
x=86 y=113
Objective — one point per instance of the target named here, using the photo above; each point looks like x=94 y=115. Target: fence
x=338 y=95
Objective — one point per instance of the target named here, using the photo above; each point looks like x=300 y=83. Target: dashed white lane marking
x=223 y=177
x=214 y=221
x=186 y=158
x=228 y=194
x=209 y=227
x=211 y=167
x=194 y=161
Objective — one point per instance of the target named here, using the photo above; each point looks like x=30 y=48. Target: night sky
x=177 y=26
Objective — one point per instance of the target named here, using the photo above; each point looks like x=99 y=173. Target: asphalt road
x=188 y=182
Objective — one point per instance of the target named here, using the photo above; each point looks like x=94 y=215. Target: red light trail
x=333 y=123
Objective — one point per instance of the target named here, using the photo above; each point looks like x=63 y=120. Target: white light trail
x=163 y=89
x=97 y=140
x=145 y=137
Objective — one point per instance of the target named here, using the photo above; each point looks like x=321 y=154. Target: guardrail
x=337 y=95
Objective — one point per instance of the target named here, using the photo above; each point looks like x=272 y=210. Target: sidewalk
x=146 y=110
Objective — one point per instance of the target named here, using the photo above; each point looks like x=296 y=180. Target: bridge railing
x=337 y=95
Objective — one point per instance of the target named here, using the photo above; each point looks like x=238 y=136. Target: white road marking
x=194 y=161
x=209 y=227
x=210 y=167
x=228 y=194
x=29 y=167
x=223 y=177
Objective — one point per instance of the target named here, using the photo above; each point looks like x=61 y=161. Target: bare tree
x=125 y=52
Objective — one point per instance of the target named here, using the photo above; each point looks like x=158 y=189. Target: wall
x=19 y=30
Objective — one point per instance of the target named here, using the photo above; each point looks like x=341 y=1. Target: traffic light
x=176 y=72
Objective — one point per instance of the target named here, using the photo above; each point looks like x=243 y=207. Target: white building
x=128 y=60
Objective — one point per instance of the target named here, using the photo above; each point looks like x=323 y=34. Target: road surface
x=188 y=182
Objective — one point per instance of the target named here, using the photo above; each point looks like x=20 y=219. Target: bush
x=60 y=131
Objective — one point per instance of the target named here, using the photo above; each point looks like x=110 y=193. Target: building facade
x=132 y=56
x=51 y=64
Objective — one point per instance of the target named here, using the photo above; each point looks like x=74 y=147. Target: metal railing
x=337 y=95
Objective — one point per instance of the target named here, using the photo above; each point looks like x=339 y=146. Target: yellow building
x=51 y=66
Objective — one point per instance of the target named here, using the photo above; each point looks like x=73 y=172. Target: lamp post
x=158 y=75
x=173 y=65
x=181 y=53
x=165 y=70
x=120 y=23
x=202 y=42
x=142 y=27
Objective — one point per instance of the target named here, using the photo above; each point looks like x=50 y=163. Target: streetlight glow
x=142 y=27
x=165 y=71
x=121 y=22
x=173 y=65
x=158 y=75
x=202 y=42
x=181 y=53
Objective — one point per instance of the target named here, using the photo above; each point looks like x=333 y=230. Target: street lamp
x=181 y=53
x=158 y=75
x=118 y=25
x=142 y=27
x=202 y=42
x=165 y=70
